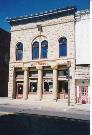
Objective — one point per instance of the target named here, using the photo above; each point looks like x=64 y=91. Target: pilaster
x=40 y=82
x=26 y=86
x=11 y=83
x=55 y=81
x=72 y=84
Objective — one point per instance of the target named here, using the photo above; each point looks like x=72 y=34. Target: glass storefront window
x=33 y=86
x=19 y=74
x=33 y=74
x=48 y=86
x=63 y=72
x=83 y=91
x=48 y=73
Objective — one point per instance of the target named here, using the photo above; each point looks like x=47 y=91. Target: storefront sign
x=39 y=63
x=83 y=81
x=33 y=80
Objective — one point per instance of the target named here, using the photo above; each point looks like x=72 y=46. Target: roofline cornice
x=42 y=16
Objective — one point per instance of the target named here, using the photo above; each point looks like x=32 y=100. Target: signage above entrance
x=42 y=63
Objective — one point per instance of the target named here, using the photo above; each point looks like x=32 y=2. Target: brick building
x=4 y=62
x=43 y=63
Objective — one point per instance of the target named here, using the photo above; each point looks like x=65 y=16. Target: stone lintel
x=54 y=67
x=39 y=67
x=25 y=68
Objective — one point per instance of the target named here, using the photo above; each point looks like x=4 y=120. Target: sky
x=14 y=8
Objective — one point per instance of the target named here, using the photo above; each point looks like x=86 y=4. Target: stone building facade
x=42 y=56
x=4 y=62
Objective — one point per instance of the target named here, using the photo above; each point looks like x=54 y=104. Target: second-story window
x=19 y=51
x=44 y=49
x=35 y=50
x=62 y=47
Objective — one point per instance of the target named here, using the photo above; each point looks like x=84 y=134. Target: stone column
x=26 y=85
x=55 y=82
x=72 y=84
x=40 y=82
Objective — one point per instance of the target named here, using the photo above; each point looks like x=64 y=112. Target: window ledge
x=33 y=93
x=47 y=93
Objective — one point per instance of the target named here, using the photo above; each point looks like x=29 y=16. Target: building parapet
x=80 y=15
x=82 y=72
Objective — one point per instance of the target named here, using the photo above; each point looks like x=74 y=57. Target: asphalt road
x=30 y=124
x=20 y=119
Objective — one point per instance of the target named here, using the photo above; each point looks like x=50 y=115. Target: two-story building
x=82 y=72
x=43 y=56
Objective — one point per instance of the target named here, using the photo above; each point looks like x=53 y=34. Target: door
x=19 y=93
x=62 y=90
x=83 y=94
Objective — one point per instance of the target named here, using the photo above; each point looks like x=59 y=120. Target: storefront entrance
x=62 y=89
x=19 y=93
x=83 y=94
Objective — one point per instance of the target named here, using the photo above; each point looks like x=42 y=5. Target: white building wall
x=82 y=28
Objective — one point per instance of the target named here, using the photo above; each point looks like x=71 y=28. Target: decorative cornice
x=42 y=16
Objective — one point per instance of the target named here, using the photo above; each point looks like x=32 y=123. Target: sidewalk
x=44 y=105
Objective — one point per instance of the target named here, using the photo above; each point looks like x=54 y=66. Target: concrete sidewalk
x=45 y=107
x=44 y=104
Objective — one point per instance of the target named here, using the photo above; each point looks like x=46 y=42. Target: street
x=63 y=113
x=45 y=108
x=43 y=118
x=30 y=124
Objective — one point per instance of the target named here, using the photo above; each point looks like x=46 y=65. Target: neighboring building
x=4 y=62
x=43 y=54
x=82 y=77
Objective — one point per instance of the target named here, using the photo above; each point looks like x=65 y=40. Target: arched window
x=62 y=47
x=44 y=49
x=19 y=51
x=35 y=50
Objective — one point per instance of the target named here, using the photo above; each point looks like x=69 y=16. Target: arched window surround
x=62 y=47
x=42 y=47
x=19 y=51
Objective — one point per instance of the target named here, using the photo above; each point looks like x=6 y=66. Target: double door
x=62 y=89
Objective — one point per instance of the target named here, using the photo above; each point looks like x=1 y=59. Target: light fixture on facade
x=39 y=28
x=68 y=64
